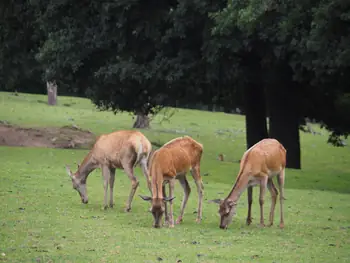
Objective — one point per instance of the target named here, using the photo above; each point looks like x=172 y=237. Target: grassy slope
x=42 y=218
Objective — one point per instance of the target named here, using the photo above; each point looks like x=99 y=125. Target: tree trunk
x=142 y=121
x=51 y=93
x=255 y=114
x=284 y=118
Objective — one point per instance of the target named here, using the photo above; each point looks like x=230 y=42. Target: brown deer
x=121 y=149
x=259 y=165
x=172 y=161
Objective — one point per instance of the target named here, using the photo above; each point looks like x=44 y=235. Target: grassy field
x=43 y=220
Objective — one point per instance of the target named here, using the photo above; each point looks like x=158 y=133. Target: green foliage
x=302 y=45
x=20 y=40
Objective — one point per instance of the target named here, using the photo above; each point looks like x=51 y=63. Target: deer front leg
x=280 y=180
x=250 y=201
x=111 y=186
x=263 y=183
x=200 y=189
x=171 y=195
x=134 y=184
x=166 y=217
x=187 y=190
x=274 y=194
x=106 y=176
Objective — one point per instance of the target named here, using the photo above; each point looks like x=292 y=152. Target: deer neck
x=85 y=168
x=239 y=187
x=157 y=185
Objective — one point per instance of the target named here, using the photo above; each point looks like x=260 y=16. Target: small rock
x=159 y=259
x=21 y=208
x=332 y=245
x=3 y=254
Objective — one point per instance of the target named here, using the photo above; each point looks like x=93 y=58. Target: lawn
x=43 y=220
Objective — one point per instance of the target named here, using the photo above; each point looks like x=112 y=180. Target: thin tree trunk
x=51 y=93
x=284 y=119
x=142 y=121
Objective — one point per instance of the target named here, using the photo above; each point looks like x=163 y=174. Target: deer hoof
x=249 y=221
x=111 y=205
x=171 y=226
x=269 y=225
x=105 y=207
x=262 y=225
x=198 y=220
x=127 y=209
x=179 y=220
x=281 y=225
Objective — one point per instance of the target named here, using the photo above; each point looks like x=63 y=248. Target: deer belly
x=253 y=182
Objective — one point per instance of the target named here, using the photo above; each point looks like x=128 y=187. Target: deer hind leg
x=280 y=180
x=200 y=189
x=250 y=201
x=274 y=194
x=106 y=176
x=171 y=194
x=111 y=186
x=187 y=190
x=263 y=183
x=143 y=164
x=129 y=170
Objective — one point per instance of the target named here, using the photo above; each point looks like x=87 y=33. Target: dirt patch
x=64 y=137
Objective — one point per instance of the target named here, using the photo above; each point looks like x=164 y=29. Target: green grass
x=43 y=220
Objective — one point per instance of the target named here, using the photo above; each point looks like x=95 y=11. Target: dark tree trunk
x=142 y=121
x=255 y=114
x=51 y=93
x=284 y=118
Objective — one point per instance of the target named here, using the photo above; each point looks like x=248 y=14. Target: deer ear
x=217 y=201
x=146 y=198
x=168 y=199
x=69 y=172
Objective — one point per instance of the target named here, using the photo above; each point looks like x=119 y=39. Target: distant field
x=43 y=220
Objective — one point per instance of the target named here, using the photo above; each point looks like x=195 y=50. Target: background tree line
x=285 y=61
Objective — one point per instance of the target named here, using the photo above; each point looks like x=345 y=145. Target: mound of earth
x=49 y=137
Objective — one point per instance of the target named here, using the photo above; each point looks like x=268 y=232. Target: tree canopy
x=284 y=60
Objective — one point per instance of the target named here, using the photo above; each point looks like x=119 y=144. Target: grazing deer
x=172 y=161
x=259 y=165
x=121 y=149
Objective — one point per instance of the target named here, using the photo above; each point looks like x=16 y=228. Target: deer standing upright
x=172 y=161
x=117 y=150
x=258 y=166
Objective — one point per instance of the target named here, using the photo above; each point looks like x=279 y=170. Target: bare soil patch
x=48 y=137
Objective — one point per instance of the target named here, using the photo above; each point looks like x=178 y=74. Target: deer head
x=78 y=186
x=227 y=209
x=158 y=208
